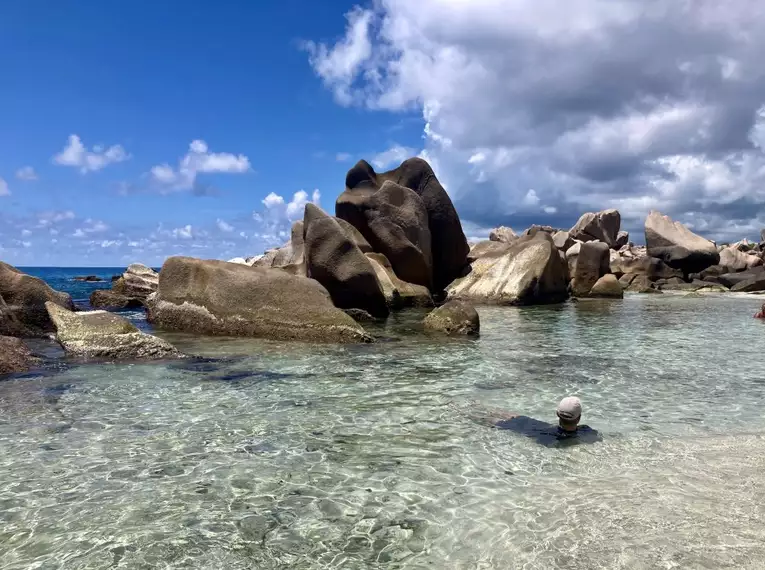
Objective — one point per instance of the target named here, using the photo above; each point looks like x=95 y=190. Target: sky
x=130 y=132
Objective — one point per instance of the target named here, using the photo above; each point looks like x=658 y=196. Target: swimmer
x=568 y=430
x=761 y=314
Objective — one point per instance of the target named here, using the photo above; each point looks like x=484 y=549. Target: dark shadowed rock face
x=15 y=357
x=678 y=246
x=753 y=284
x=601 y=226
x=456 y=317
x=219 y=298
x=529 y=271
x=335 y=261
x=111 y=301
x=733 y=279
x=99 y=334
x=449 y=247
x=652 y=267
x=591 y=264
x=398 y=293
x=22 y=303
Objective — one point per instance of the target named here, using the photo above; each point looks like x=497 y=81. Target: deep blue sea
x=274 y=455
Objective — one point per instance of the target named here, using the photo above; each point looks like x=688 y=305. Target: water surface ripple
x=272 y=455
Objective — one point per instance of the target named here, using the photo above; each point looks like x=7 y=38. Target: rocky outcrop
x=678 y=246
x=219 y=298
x=641 y=284
x=339 y=265
x=651 y=267
x=601 y=226
x=138 y=282
x=591 y=264
x=398 y=293
x=109 y=300
x=753 y=284
x=396 y=225
x=563 y=240
x=622 y=239
x=449 y=248
x=22 y=303
x=486 y=247
x=15 y=357
x=453 y=318
x=736 y=260
x=733 y=279
x=607 y=287
x=503 y=234
x=103 y=335
x=529 y=271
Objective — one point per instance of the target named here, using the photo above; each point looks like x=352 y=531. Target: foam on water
x=273 y=455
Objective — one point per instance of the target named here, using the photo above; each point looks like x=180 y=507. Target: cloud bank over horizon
x=537 y=111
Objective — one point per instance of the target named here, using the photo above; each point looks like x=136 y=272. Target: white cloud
x=224 y=226
x=186 y=232
x=51 y=217
x=342 y=157
x=75 y=154
x=198 y=160
x=26 y=233
x=78 y=233
x=592 y=104
x=26 y=173
x=4 y=191
x=273 y=200
x=392 y=157
x=275 y=219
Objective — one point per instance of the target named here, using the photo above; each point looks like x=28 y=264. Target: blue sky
x=134 y=131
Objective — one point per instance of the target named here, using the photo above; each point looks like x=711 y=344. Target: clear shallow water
x=300 y=456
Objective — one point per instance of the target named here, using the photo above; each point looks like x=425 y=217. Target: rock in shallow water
x=678 y=246
x=454 y=318
x=109 y=300
x=99 y=334
x=607 y=286
x=14 y=356
x=219 y=298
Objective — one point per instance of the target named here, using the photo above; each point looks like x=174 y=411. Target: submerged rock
x=528 y=271
x=22 y=303
x=678 y=246
x=100 y=334
x=338 y=264
x=219 y=298
x=449 y=247
x=456 y=317
x=15 y=356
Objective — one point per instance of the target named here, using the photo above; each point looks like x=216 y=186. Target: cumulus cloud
x=394 y=156
x=197 y=160
x=51 y=217
x=278 y=215
x=4 y=191
x=588 y=104
x=75 y=154
x=224 y=226
x=26 y=173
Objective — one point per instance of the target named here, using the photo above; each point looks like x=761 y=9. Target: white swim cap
x=570 y=408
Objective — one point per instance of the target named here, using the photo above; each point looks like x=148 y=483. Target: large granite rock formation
x=591 y=264
x=736 y=260
x=22 y=303
x=219 y=298
x=138 y=282
x=103 y=335
x=503 y=234
x=601 y=226
x=678 y=246
x=449 y=247
x=396 y=225
x=338 y=264
x=652 y=267
x=455 y=317
x=108 y=300
x=529 y=271
x=398 y=293
x=15 y=357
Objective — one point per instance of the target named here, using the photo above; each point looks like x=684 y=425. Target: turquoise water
x=274 y=455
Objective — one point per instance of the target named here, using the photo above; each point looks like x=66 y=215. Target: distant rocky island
x=395 y=241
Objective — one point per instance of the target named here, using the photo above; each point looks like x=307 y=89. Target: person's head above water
x=569 y=413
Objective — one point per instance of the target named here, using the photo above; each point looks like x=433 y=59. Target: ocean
x=262 y=454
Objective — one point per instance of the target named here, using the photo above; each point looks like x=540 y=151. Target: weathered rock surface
x=571 y=256
x=622 y=239
x=100 y=334
x=607 y=286
x=109 y=300
x=336 y=262
x=138 y=282
x=529 y=271
x=592 y=263
x=563 y=240
x=15 y=356
x=503 y=234
x=753 y=284
x=22 y=303
x=601 y=226
x=678 y=246
x=486 y=247
x=398 y=293
x=534 y=228
x=733 y=279
x=736 y=260
x=652 y=267
x=641 y=284
x=453 y=318
x=219 y=298
x=449 y=247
